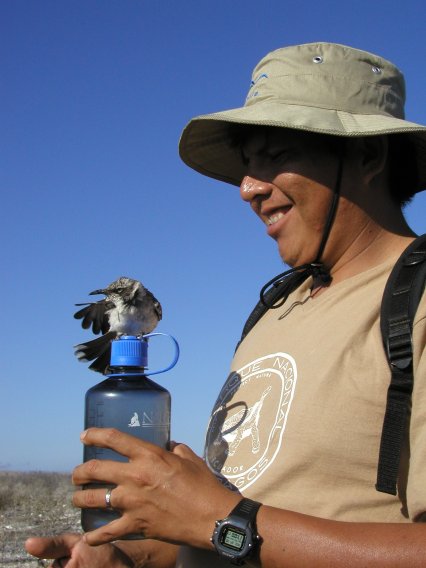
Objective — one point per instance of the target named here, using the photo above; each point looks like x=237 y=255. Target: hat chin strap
x=282 y=285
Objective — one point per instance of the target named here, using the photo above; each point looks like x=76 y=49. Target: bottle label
x=134 y=421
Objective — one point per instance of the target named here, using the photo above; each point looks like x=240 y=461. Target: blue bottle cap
x=129 y=351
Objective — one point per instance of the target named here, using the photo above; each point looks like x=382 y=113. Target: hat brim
x=205 y=144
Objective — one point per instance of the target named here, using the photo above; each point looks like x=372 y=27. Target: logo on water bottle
x=134 y=421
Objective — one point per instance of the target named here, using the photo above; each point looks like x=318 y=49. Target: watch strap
x=241 y=518
x=246 y=510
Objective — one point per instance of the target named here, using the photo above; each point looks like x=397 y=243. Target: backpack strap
x=280 y=290
x=401 y=297
x=258 y=311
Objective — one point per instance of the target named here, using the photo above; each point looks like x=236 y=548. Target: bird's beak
x=95 y=292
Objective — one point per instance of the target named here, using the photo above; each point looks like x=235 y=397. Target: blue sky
x=95 y=94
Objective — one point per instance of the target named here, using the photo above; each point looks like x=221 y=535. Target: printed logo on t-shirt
x=248 y=421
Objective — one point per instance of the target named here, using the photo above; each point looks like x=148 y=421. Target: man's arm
x=174 y=497
x=293 y=540
x=290 y=540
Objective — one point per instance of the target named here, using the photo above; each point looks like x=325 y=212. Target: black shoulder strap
x=401 y=297
x=279 y=291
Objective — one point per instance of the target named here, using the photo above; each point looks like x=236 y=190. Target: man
x=320 y=152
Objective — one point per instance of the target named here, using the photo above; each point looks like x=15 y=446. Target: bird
x=127 y=309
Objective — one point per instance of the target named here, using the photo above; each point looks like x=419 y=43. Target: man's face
x=289 y=184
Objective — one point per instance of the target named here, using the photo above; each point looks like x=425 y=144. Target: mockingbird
x=127 y=309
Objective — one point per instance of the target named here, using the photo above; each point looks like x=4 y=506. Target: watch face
x=233 y=538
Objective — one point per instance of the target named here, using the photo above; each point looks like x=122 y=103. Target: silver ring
x=108 y=498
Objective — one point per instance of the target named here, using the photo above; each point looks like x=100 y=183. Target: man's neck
x=372 y=247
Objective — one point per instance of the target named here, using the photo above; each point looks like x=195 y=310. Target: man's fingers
x=98 y=470
x=51 y=547
x=183 y=451
x=122 y=443
x=108 y=533
x=95 y=499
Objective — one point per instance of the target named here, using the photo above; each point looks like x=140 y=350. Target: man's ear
x=373 y=153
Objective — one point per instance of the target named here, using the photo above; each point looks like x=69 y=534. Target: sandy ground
x=33 y=504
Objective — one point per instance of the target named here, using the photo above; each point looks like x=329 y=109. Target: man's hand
x=170 y=496
x=70 y=551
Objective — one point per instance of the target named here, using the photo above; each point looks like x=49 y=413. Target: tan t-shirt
x=298 y=422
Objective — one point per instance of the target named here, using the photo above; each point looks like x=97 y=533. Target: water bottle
x=128 y=401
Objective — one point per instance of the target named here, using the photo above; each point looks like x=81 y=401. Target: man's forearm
x=293 y=540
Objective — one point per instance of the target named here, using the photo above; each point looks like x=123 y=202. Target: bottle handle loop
x=175 y=355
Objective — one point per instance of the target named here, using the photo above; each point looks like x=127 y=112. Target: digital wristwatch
x=235 y=537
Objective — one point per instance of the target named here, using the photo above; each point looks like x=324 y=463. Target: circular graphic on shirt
x=249 y=418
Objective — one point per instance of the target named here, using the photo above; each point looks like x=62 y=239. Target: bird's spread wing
x=95 y=315
x=97 y=350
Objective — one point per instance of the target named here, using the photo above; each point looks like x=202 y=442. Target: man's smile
x=277 y=215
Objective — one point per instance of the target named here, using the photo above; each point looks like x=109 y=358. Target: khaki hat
x=317 y=87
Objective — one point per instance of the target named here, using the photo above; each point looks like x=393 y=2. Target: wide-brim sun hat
x=320 y=87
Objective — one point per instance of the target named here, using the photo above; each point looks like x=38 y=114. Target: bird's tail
x=97 y=350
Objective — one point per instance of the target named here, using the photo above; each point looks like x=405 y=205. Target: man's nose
x=251 y=188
